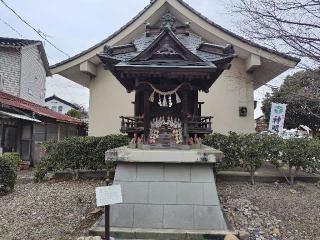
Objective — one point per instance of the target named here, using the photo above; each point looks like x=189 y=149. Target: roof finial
x=168 y=20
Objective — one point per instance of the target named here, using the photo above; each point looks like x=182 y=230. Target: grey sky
x=75 y=25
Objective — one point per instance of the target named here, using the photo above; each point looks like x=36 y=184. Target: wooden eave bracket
x=252 y=62
x=88 y=68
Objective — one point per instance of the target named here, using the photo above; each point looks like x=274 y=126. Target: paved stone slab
x=201 y=173
x=177 y=172
x=121 y=215
x=190 y=193
x=210 y=195
x=209 y=218
x=150 y=172
x=148 y=216
x=134 y=192
x=126 y=172
x=162 y=193
x=178 y=216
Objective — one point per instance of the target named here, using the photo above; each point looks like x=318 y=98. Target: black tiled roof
x=191 y=41
x=15 y=42
x=18 y=43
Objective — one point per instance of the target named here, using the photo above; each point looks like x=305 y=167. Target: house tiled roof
x=62 y=101
x=16 y=102
x=15 y=42
x=19 y=43
x=195 y=12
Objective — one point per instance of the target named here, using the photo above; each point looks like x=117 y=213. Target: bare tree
x=290 y=26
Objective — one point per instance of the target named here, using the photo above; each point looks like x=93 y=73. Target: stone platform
x=167 y=190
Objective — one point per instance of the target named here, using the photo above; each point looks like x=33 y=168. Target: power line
x=11 y=27
x=39 y=32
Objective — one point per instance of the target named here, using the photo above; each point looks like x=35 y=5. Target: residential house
x=24 y=125
x=59 y=105
x=23 y=69
x=111 y=71
x=24 y=120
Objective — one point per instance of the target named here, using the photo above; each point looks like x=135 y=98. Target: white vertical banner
x=277 y=115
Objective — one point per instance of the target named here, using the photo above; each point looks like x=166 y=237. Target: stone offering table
x=165 y=190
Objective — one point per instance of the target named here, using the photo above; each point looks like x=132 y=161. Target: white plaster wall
x=10 y=62
x=108 y=101
x=33 y=75
x=233 y=89
x=56 y=103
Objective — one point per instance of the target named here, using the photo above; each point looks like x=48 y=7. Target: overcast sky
x=75 y=25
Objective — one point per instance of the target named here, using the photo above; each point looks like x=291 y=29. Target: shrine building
x=171 y=68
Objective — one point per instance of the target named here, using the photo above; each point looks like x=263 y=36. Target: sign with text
x=108 y=195
x=277 y=115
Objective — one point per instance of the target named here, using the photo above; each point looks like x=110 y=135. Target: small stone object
x=276 y=232
x=293 y=191
x=243 y=235
x=230 y=237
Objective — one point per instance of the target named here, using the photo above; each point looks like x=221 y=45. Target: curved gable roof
x=246 y=41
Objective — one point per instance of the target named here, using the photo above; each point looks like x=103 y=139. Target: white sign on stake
x=277 y=115
x=108 y=195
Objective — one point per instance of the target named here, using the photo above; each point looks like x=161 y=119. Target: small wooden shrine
x=167 y=67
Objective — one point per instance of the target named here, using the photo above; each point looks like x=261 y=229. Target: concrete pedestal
x=167 y=196
x=167 y=190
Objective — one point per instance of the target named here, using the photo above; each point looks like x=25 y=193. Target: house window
x=60 y=109
x=54 y=108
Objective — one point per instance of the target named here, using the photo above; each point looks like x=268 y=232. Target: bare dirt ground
x=273 y=211
x=51 y=210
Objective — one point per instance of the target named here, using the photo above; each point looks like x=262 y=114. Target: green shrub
x=249 y=151
x=252 y=153
x=299 y=154
x=13 y=157
x=77 y=153
x=8 y=174
x=229 y=145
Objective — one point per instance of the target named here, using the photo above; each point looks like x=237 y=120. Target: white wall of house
x=22 y=73
x=232 y=90
x=108 y=101
x=10 y=70
x=58 y=106
x=33 y=75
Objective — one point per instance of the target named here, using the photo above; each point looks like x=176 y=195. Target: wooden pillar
x=146 y=107
x=195 y=103
x=185 y=117
x=136 y=103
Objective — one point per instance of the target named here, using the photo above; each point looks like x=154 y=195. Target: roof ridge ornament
x=168 y=21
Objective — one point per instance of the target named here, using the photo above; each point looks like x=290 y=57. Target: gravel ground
x=273 y=211
x=52 y=210
x=61 y=210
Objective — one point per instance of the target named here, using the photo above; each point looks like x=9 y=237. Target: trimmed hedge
x=8 y=173
x=77 y=153
x=249 y=151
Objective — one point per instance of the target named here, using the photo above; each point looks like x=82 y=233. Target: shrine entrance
x=167 y=70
